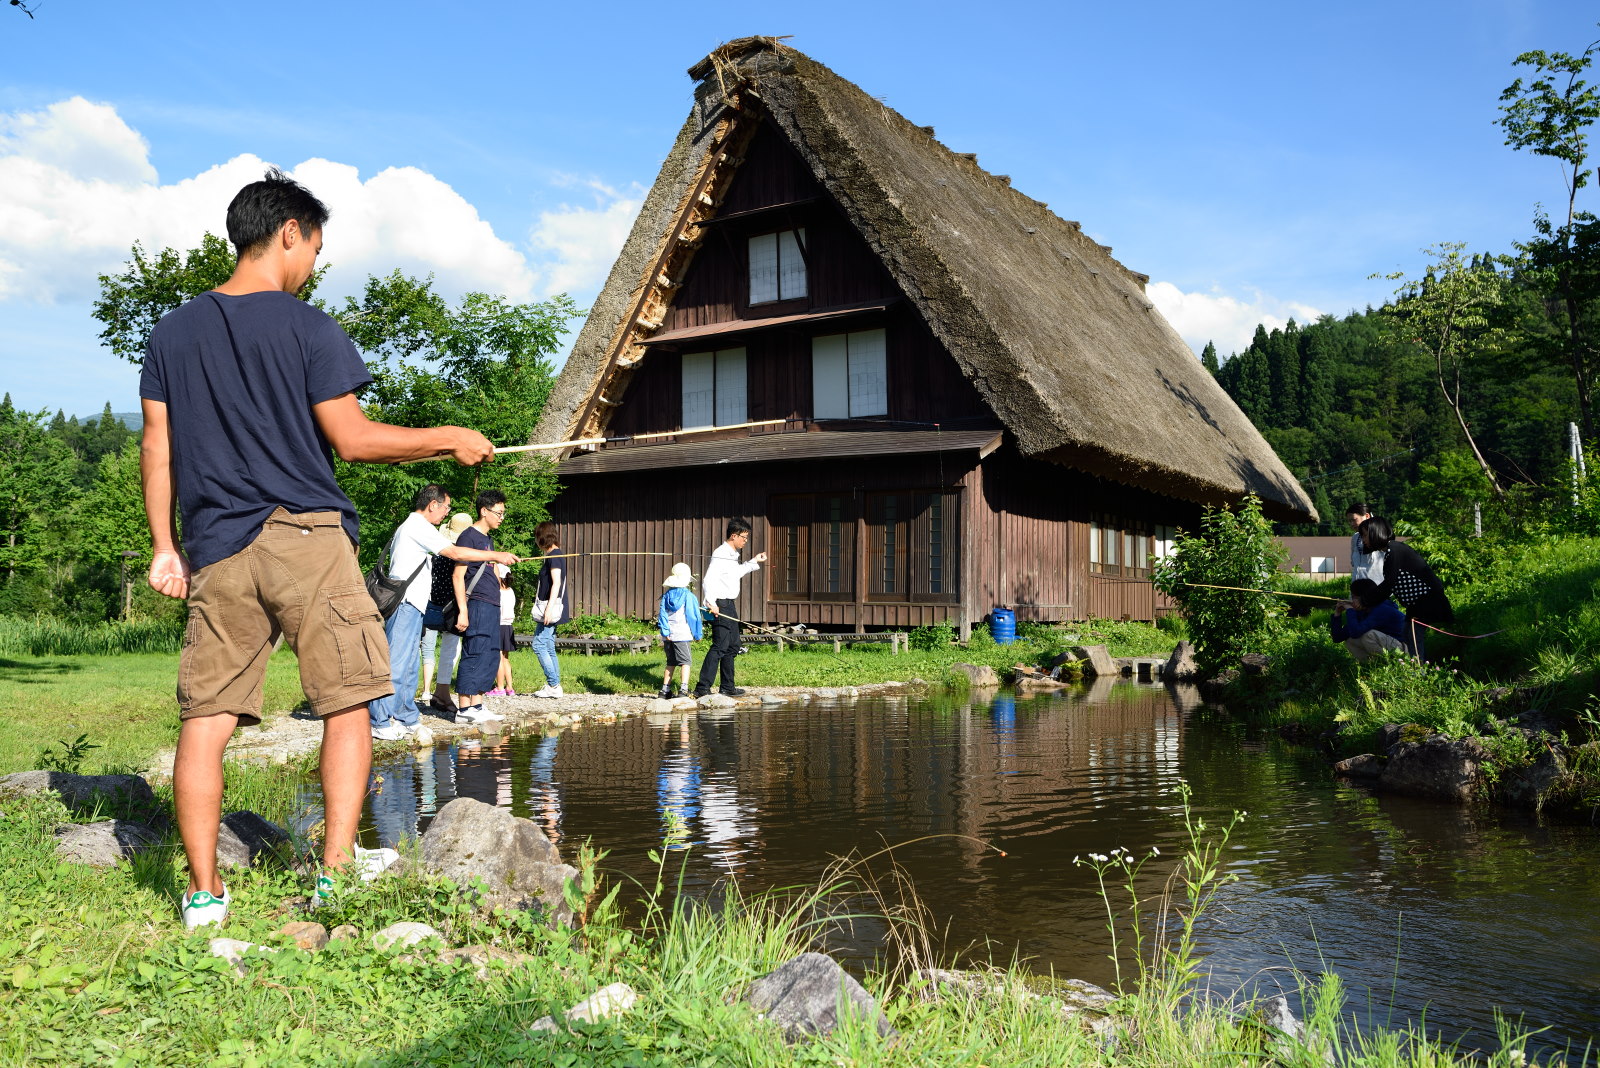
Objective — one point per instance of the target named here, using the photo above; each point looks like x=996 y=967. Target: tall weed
x=45 y=636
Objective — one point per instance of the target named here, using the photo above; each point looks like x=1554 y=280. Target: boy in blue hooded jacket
x=1367 y=625
x=678 y=620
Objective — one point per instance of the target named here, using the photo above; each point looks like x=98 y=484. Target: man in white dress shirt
x=719 y=592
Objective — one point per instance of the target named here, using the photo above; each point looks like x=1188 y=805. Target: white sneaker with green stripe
x=201 y=908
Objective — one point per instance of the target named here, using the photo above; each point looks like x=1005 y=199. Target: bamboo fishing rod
x=505 y=450
x=1252 y=589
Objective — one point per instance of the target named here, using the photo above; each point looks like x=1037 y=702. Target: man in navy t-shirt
x=247 y=392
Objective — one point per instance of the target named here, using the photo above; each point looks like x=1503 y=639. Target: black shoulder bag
x=386 y=592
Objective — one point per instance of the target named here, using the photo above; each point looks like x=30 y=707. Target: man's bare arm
x=169 y=570
x=358 y=439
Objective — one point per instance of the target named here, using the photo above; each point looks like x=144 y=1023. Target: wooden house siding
x=1021 y=540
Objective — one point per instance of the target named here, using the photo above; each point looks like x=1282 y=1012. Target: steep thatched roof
x=1057 y=336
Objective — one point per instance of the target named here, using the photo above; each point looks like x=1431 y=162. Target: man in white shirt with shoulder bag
x=417 y=539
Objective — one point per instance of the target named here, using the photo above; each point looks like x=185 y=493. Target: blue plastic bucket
x=1003 y=626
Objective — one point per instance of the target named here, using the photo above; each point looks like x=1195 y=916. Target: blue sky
x=1256 y=160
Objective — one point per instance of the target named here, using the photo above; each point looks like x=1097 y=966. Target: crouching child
x=1366 y=624
x=678 y=620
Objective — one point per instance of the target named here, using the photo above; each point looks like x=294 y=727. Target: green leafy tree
x=1234 y=547
x=133 y=301
x=1550 y=115
x=1447 y=316
x=36 y=488
x=1208 y=359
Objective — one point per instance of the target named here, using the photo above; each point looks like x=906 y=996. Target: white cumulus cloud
x=576 y=244
x=1226 y=320
x=80 y=190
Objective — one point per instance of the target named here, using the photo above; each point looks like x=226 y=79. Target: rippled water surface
x=1418 y=906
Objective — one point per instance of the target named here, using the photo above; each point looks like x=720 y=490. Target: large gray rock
x=105 y=843
x=404 y=933
x=613 y=1000
x=1096 y=660
x=1073 y=999
x=244 y=836
x=812 y=995
x=716 y=700
x=1525 y=787
x=1365 y=766
x=1437 y=767
x=471 y=840
x=1180 y=665
x=977 y=674
x=79 y=792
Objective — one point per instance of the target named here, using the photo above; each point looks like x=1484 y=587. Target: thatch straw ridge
x=1057 y=335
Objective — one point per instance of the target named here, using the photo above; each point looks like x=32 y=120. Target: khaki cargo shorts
x=300 y=579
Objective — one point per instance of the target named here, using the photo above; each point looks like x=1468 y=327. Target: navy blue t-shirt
x=488 y=587
x=239 y=375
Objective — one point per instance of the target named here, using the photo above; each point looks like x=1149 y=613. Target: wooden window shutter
x=833 y=548
x=732 y=404
x=791 y=266
x=699 y=389
x=869 y=373
x=830 y=374
x=763 y=268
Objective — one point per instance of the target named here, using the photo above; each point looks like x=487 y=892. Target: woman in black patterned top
x=1408 y=579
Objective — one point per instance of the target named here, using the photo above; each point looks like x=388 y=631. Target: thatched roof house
x=1057 y=336
x=978 y=405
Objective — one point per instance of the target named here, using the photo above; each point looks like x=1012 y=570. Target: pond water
x=1425 y=910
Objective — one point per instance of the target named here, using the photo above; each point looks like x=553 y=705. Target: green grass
x=126 y=704
x=95 y=969
x=818 y=665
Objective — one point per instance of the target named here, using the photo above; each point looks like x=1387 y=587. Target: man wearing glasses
x=720 y=594
x=478 y=605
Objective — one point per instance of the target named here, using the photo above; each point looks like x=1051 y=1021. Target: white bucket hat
x=680 y=577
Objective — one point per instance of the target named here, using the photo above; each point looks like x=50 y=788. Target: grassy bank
x=97 y=971
x=124 y=703
x=1530 y=686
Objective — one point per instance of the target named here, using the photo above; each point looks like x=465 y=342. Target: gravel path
x=284 y=736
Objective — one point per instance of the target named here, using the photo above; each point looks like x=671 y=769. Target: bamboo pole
x=1252 y=589
x=502 y=450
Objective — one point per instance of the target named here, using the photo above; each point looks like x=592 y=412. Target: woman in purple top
x=478 y=601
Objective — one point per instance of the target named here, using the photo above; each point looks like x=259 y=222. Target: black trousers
x=724 y=648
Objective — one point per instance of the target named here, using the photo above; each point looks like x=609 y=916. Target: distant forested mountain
x=1354 y=408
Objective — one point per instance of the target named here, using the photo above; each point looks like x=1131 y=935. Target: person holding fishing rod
x=247 y=393
x=720 y=595
x=1409 y=580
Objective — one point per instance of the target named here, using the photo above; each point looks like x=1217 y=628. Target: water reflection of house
x=974 y=403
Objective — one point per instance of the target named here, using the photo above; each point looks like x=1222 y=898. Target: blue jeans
x=404 y=631
x=544 y=647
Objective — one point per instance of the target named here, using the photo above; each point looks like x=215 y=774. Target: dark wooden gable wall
x=925 y=383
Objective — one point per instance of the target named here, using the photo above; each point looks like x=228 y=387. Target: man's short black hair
x=737 y=526
x=429 y=494
x=1358 y=508
x=1365 y=591
x=260 y=209
x=488 y=499
x=1378 y=532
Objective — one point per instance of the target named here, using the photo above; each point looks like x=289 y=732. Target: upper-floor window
x=714 y=392
x=849 y=375
x=777 y=268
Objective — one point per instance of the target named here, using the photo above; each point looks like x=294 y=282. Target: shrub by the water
x=1235 y=547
